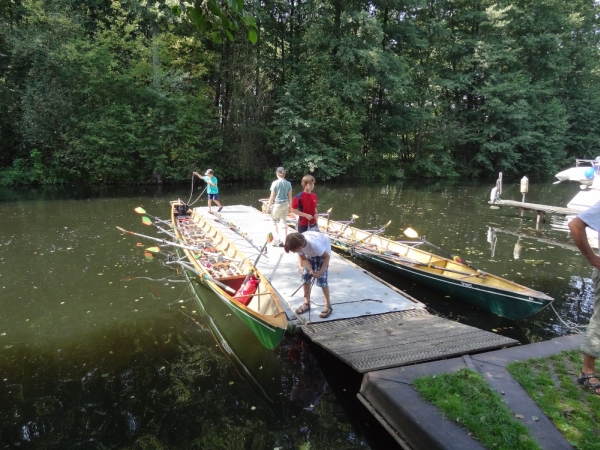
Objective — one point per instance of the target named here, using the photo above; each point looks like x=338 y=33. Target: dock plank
x=400 y=338
x=538 y=207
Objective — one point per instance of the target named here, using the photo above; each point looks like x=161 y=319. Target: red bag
x=244 y=294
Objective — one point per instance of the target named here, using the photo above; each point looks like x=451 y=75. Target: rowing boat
x=487 y=291
x=223 y=269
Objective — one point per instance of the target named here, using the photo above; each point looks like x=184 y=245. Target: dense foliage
x=110 y=91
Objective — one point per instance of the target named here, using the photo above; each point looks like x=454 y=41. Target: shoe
x=220 y=208
x=281 y=244
x=584 y=378
x=276 y=243
x=305 y=307
x=325 y=313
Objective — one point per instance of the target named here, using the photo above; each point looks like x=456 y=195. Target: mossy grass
x=574 y=409
x=465 y=398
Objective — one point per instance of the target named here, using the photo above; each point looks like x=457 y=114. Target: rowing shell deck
x=373 y=325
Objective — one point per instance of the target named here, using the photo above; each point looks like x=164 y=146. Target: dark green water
x=101 y=348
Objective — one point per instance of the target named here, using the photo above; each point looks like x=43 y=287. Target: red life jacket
x=244 y=294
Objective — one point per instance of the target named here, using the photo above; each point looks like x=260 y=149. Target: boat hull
x=462 y=281
x=269 y=336
x=208 y=252
x=502 y=303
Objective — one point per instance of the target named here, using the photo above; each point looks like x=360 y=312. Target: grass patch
x=574 y=409
x=465 y=398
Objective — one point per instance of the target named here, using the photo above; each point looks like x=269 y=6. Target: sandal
x=305 y=307
x=325 y=314
x=585 y=378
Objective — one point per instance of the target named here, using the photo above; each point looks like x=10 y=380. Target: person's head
x=294 y=242
x=210 y=172
x=308 y=183
x=280 y=172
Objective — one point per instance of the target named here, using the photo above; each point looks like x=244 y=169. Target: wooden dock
x=540 y=210
x=373 y=324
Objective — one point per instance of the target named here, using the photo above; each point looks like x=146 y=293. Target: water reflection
x=100 y=350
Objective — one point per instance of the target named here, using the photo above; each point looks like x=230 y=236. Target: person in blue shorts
x=212 y=188
x=590 y=346
x=314 y=250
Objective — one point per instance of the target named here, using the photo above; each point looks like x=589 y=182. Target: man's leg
x=276 y=230
x=591 y=341
x=326 y=294
x=307 y=289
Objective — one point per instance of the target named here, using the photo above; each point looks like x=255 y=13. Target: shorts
x=279 y=211
x=591 y=340
x=316 y=262
x=303 y=228
x=213 y=196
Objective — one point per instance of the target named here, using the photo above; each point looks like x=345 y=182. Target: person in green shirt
x=281 y=200
x=212 y=189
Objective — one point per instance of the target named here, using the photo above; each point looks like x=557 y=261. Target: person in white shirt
x=591 y=343
x=314 y=250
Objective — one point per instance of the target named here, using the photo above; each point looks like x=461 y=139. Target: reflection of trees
x=150 y=385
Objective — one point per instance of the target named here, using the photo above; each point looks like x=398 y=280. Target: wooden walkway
x=373 y=324
x=537 y=207
x=399 y=339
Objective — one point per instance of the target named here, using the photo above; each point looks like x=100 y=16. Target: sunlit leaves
x=220 y=18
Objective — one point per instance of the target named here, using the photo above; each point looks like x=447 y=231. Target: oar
x=162 y=241
x=141 y=210
x=381 y=230
x=203 y=275
x=354 y=216
x=235 y=228
x=419 y=263
x=146 y=221
x=328 y=217
x=413 y=234
x=262 y=250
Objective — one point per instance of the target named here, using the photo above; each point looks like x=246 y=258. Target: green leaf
x=198 y=18
x=215 y=9
x=229 y=35
x=233 y=5
x=250 y=21
x=176 y=10
x=252 y=36
x=216 y=37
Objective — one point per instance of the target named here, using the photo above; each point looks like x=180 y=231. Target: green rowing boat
x=224 y=269
x=487 y=291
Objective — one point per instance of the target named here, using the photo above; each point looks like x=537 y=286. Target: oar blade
x=153 y=249
x=140 y=210
x=409 y=232
x=146 y=220
x=149 y=256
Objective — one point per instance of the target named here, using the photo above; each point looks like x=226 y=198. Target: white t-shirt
x=591 y=217
x=316 y=244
